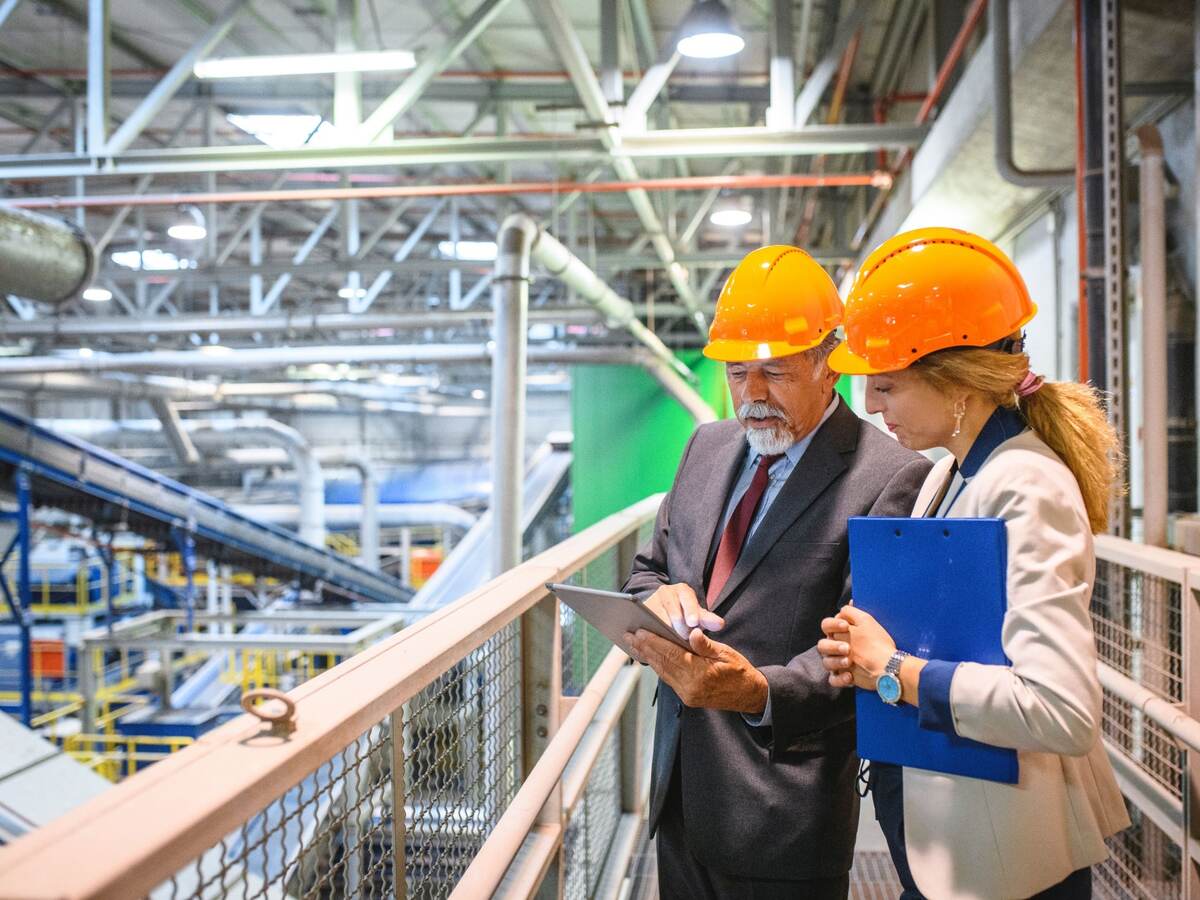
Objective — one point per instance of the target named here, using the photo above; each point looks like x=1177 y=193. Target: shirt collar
x=794 y=452
x=1001 y=425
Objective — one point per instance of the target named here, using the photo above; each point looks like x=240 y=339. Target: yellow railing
x=117 y=756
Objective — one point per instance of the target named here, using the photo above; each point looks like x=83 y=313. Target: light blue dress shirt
x=778 y=474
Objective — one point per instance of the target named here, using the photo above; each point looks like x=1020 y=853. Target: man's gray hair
x=816 y=356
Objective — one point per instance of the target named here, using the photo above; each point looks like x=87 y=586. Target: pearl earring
x=960 y=410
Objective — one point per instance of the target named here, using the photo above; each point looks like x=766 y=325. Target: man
x=752 y=791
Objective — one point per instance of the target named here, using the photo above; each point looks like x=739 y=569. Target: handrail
x=1174 y=721
x=197 y=796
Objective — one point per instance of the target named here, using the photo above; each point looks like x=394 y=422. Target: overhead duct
x=43 y=258
x=308 y=471
x=352 y=515
x=368 y=518
x=220 y=433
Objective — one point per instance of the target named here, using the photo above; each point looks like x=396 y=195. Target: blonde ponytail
x=1067 y=415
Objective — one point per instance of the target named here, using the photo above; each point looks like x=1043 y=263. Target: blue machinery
x=48 y=469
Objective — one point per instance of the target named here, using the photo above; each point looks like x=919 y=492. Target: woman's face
x=918 y=415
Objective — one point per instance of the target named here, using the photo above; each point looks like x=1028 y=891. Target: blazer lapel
x=821 y=463
x=726 y=464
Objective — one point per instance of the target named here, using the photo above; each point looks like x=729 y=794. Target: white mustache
x=761 y=410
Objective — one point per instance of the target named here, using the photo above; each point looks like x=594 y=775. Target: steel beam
x=654 y=79
x=697 y=142
x=358 y=305
x=823 y=72
x=173 y=80
x=611 y=81
x=402 y=99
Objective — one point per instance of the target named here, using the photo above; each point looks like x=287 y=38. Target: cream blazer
x=968 y=838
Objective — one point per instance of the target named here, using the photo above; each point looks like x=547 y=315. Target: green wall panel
x=630 y=434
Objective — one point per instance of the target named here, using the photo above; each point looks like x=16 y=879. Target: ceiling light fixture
x=97 y=294
x=279 y=65
x=191 y=228
x=731 y=215
x=349 y=293
x=709 y=32
x=473 y=251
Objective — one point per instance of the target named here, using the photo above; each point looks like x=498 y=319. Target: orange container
x=423 y=562
x=49 y=658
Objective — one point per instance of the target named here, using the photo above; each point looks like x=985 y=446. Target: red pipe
x=699 y=183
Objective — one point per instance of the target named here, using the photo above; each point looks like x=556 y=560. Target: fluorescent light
x=187 y=231
x=97 y=294
x=349 y=293
x=216 y=350
x=731 y=217
x=475 y=251
x=85 y=352
x=478 y=394
x=284 y=132
x=712 y=45
x=151 y=261
x=708 y=32
x=304 y=64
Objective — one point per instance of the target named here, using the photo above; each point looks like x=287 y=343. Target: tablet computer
x=614 y=613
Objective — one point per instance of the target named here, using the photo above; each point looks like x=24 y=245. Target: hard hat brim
x=724 y=350
x=847 y=362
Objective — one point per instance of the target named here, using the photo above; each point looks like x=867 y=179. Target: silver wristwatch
x=887 y=686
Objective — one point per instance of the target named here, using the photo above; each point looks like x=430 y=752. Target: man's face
x=779 y=400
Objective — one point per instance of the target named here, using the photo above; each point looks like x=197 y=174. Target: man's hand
x=678 y=606
x=712 y=675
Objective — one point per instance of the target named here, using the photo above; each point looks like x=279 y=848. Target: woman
x=934 y=321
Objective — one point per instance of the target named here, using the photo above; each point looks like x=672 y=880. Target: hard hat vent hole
x=914 y=349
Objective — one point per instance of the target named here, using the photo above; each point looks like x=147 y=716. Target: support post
x=541 y=688
x=1152 y=214
x=399 y=818
x=24 y=597
x=610 y=53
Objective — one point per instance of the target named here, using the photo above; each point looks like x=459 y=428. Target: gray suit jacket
x=778 y=801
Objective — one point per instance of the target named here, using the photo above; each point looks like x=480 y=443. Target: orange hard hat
x=927 y=290
x=778 y=301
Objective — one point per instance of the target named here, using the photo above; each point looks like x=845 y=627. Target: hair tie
x=1030 y=384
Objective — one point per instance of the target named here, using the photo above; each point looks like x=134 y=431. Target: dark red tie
x=737 y=528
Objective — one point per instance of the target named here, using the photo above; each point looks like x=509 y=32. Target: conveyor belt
x=75 y=476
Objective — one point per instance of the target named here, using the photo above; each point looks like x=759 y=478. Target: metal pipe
x=1002 y=108
x=43 y=258
x=308 y=470
x=368 y=539
x=877 y=179
x=510 y=302
x=353 y=515
x=1153 y=240
x=1177 y=723
x=618 y=312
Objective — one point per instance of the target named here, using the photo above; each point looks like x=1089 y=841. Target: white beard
x=767 y=441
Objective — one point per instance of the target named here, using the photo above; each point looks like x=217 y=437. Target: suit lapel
x=817 y=469
x=727 y=462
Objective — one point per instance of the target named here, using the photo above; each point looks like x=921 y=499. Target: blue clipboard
x=939 y=587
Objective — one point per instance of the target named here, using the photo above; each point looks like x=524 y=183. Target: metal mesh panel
x=583 y=647
x=1144 y=864
x=462 y=741
x=330 y=836
x=1139 y=621
x=1143 y=741
x=334 y=835
x=593 y=824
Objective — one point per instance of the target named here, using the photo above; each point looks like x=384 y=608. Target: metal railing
x=407 y=770
x=1144 y=611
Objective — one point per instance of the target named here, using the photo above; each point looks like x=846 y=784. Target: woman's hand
x=856 y=648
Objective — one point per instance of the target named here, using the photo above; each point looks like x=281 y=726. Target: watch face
x=888 y=688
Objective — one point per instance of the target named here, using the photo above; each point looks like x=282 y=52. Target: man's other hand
x=678 y=606
x=712 y=675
